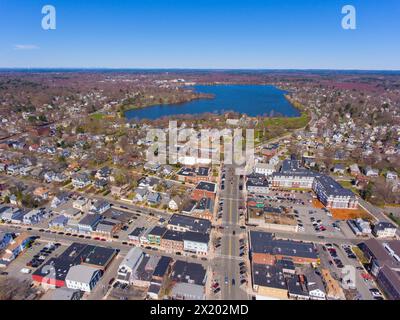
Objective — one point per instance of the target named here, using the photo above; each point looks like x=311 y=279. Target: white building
x=384 y=230
x=264 y=168
x=82 y=277
x=129 y=264
x=196 y=242
x=33 y=216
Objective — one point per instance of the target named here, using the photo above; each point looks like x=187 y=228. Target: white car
x=25 y=271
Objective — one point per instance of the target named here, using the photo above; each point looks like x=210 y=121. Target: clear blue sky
x=278 y=34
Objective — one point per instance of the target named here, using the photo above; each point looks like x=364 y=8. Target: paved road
x=115 y=244
x=228 y=261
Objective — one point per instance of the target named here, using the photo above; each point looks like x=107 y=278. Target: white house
x=33 y=217
x=384 y=230
x=100 y=206
x=129 y=264
x=175 y=203
x=369 y=172
x=391 y=176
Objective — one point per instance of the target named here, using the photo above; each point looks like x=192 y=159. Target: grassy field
x=288 y=123
x=97 y=116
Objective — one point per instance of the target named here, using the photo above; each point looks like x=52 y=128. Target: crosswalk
x=227 y=257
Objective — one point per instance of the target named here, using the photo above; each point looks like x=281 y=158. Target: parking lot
x=310 y=220
x=336 y=258
x=138 y=220
x=30 y=259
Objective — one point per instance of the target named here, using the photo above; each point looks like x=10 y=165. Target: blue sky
x=276 y=34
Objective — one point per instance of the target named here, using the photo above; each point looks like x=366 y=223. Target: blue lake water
x=252 y=100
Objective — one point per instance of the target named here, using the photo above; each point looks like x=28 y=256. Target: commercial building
x=269 y=281
x=204 y=190
x=328 y=191
x=184 y=223
x=265 y=249
x=257 y=183
x=196 y=242
x=55 y=270
x=81 y=277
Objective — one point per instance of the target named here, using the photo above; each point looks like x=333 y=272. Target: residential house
x=129 y=264
x=5 y=239
x=58 y=223
x=117 y=191
x=339 y=168
x=384 y=230
x=59 y=199
x=100 y=206
x=370 y=172
x=140 y=194
x=82 y=204
x=175 y=203
x=34 y=216
x=355 y=170
x=153 y=198
x=89 y=223
x=15 y=247
x=81 y=181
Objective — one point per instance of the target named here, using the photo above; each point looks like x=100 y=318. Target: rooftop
x=262 y=242
x=207 y=186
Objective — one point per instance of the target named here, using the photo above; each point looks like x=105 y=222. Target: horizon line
x=199 y=68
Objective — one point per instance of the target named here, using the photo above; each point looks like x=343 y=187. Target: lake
x=252 y=100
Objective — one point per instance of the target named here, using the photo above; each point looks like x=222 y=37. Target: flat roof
x=268 y=276
x=194 y=224
x=207 y=186
x=188 y=272
x=262 y=242
x=196 y=237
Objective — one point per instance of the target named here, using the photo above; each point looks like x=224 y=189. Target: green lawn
x=97 y=116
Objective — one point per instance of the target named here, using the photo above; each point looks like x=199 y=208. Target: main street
x=227 y=263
